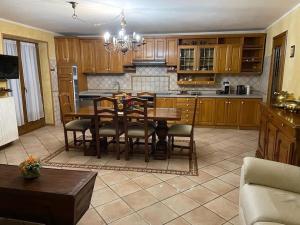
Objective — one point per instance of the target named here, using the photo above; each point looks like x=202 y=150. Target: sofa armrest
x=271 y=174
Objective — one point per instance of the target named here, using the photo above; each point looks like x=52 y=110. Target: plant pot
x=31 y=174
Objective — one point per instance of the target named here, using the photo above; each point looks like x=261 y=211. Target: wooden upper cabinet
x=116 y=62
x=62 y=50
x=171 y=51
x=229 y=58
x=102 y=57
x=249 y=113
x=127 y=58
x=205 y=111
x=87 y=49
x=138 y=53
x=149 y=49
x=187 y=61
x=160 y=49
x=74 y=51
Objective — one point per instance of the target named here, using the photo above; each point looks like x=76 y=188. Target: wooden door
x=284 y=149
x=271 y=141
x=235 y=58
x=171 y=51
x=102 y=57
x=149 y=49
x=233 y=108
x=205 y=111
x=262 y=135
x=87 y=50
x=220 y=111
x=223 y=58
x=116 y=62
x=62 y=50
x=249 y=109
x=160 y=49
x=138 y=53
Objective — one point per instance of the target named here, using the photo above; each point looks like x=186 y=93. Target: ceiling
x=146 y=17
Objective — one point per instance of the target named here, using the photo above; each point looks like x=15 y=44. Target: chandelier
x=122 y=42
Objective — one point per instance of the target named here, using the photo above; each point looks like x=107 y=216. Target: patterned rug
x=74 y=158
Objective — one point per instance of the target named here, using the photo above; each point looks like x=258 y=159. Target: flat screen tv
x=9 y=67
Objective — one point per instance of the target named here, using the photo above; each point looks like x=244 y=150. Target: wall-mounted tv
x=9 y=67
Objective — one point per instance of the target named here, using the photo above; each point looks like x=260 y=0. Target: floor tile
x=201 y=178
x=231 y=178
x=203 y=216
x=125 y=188
x=113 y=211
x=218 y=186
x=162 y=191
x=223 y=207
x=140 y=200
x=133 y=219
x=227 y=165
x=214 y=170
x=91 y=217
x=103 y=196
x=157 y=214
x=178 y=221
x=113 y=178
x=147 y=180
x=180 y=203
x=99 y=184
x=200 y=194
x=235 y=221
x=233 y=196
x=165 y=177
x=181 y=183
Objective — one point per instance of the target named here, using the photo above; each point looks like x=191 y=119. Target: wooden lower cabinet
x=279 y=136
x=205 y=111
x=227 y=112
x=249 y=113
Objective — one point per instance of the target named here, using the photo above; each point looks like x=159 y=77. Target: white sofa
x=269 y=193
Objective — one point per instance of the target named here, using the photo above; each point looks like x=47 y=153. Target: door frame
x=282 y=64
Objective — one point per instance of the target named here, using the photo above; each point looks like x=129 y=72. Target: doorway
x=277 y=66
x=27 y=90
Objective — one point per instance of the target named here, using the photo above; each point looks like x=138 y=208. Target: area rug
x=74 y=158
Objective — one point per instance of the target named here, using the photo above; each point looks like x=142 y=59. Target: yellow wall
x=46 y=51
x=290 y=23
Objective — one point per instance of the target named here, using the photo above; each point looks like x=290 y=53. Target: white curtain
x=10 y=48
x=34 y=103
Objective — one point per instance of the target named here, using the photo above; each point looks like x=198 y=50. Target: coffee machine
x=226 y=86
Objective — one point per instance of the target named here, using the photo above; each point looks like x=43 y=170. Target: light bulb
x=107 y=37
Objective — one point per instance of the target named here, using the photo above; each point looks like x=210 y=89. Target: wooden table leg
x=162 y=145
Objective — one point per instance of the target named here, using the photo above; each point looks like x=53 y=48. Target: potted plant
x=30 y=168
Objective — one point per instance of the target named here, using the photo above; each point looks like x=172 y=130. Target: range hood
x=142 y=62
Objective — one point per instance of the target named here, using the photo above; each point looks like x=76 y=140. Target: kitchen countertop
x=86 y=94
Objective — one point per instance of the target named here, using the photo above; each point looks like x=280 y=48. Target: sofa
x=269 y=193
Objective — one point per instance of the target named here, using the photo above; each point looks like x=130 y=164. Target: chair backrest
x=136 y=114
x=121 y=93
x=65 y=106
x=106 y=114
x=194 y=115
x=150 y=97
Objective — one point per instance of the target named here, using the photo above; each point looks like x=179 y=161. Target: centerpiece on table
x=30 y=168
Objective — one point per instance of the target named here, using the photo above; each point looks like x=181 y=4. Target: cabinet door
x=249 y=109
x=235 y=58
x=262 y=135
x=87 y=49
x=74 y=50
x=233 y=108
x=187 y=59
x=205 y=111
x=206 y=56
x=65 y=85
x=271 y=141
x=160 y=49
x=220 y=111
x=149 y=49
x=102 y=57
x=284 y=149
x=116 y=62
x=62 y=50
x=223 y=59
x=171 y=51
x=139 y=53
x=127 y=58
x=165 y=102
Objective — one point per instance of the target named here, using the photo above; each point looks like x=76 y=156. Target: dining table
x=161 y=116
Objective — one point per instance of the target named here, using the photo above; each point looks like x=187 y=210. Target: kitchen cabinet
x=149 y=49
x=205 y=111
x=160 y=49
x=226 y=112
x=249 y=113
x=187 y=106
x=138 y=53
x=116 y=62
x=171 y=51
x=165 y=102
x=67 y=50
x=279 y=135
x=65 y=81
x=187 y=59
x=153 y=49
x=229 y=58
x=127 y=58
x=87 y=48
x=102 y=57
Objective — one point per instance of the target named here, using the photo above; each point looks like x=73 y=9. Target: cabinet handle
x=282 y=125
x=200 y=102
x=229 y=102
x=243 y=103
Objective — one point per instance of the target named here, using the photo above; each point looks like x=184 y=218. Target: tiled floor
x=132 y=198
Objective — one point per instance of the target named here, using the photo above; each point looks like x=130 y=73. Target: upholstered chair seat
x=78 y=125
x=180 y=130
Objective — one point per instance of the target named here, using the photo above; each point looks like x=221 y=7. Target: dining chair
x=72 y=124
x=107 y=123
x=137 y=126
x=182 y=130
x=149 y=96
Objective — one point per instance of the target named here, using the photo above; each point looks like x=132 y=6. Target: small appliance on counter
x=241 y=90
x=226 y=89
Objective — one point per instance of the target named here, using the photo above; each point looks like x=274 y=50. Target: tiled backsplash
x=157 y=79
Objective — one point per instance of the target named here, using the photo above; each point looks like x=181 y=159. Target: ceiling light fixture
x=122 y=42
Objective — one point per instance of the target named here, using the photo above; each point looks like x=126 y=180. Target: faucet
x=116 y=83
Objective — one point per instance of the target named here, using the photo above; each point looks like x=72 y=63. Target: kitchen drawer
x=186 y=100
x=185 y=105
x=283 y=126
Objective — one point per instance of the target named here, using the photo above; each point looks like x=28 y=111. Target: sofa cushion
x=265 y=204
x=268 y=223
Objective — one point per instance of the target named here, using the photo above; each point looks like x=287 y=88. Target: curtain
x=10 y=48
x=34 y=103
